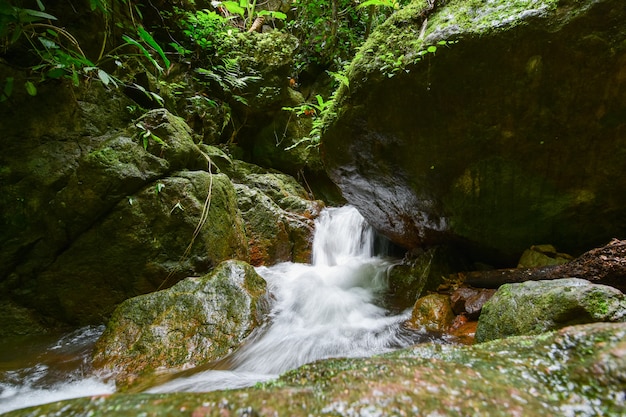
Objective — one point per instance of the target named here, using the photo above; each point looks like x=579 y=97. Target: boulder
x=577 y=370
x=274 y=234
x=195 y=322
x=149 y=240
x=493 y=125
x=535 y=307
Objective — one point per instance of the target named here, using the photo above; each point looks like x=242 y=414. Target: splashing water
x=330 y=308
x=323 y=310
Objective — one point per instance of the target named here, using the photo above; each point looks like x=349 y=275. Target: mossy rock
x=274 y=234
x=578 y=368
x=195 y=322
x=535 y=307
x=494 y=139
x=141 y=246
x=422 y=272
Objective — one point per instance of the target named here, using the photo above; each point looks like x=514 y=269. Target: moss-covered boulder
x=179 y=226
x=195 y=322
x=578 y=370
x=492 y=124
x=535 y=307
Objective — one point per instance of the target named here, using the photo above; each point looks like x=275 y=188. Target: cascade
x=329 y=308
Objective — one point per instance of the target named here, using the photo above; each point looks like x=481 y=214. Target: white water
x=329 y=308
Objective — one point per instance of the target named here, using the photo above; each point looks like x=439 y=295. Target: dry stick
x=203 y=218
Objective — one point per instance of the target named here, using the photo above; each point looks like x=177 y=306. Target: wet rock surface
x=534 y=307
x=579 y=369
x=195 y=322
x=495 y=141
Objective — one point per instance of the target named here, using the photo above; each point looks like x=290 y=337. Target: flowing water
x=330 y=308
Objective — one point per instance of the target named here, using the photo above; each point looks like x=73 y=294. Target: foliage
x=317 y=111
x=230 y=78
x=55 y=53
x=330 y=31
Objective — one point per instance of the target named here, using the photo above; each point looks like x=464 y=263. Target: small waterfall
x=330 y=308
x=321 y=310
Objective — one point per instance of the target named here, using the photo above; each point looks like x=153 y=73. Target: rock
x=195 y=322
x=578 y=368
x=432 y=313
x=422 y=272
x=535 y=307
x=277 y=211
x=542 y=255
x=168 y=137
x=496 y=139
x=470 y=301
x=275 y=235
x=463 y=330
x=16 y=320
x=140 y=246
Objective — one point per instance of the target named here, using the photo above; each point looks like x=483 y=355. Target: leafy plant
x=246 y=10
x=230 y=78
x=145 y=134
x=315 y=110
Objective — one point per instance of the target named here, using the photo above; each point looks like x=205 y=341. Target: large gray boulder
x=535 y=307
x=512 y=134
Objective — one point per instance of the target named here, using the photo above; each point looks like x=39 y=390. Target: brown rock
x=470 y=300
x=432 y=313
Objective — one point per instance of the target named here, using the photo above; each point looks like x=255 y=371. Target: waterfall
x=321 y=310
x=329 y=308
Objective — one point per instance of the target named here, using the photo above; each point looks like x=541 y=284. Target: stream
x=333 y=307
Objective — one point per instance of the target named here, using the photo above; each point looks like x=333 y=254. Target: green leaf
x=432 y=49
x=40 y=5
x=30 y=88
x=55 y=73
x=47 y=43
x=233 y=7
x=147 y=38
x=36 y=13
x=145 y=52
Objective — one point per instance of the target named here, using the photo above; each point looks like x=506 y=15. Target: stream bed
x=332 y=307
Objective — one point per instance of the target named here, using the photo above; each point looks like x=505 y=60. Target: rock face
x=99 y=209
x=514 y=376
x=535 y=307
x=197 y=321
x=511 y=135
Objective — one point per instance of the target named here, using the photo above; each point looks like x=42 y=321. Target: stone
x=195 y=322
x=421 y=272
x=432 y=313
x=577 y=368
x=542 y=255
x=470 y=301
x=274 y=234
x=535 y=307
x=141 y=246
x=508 y=132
